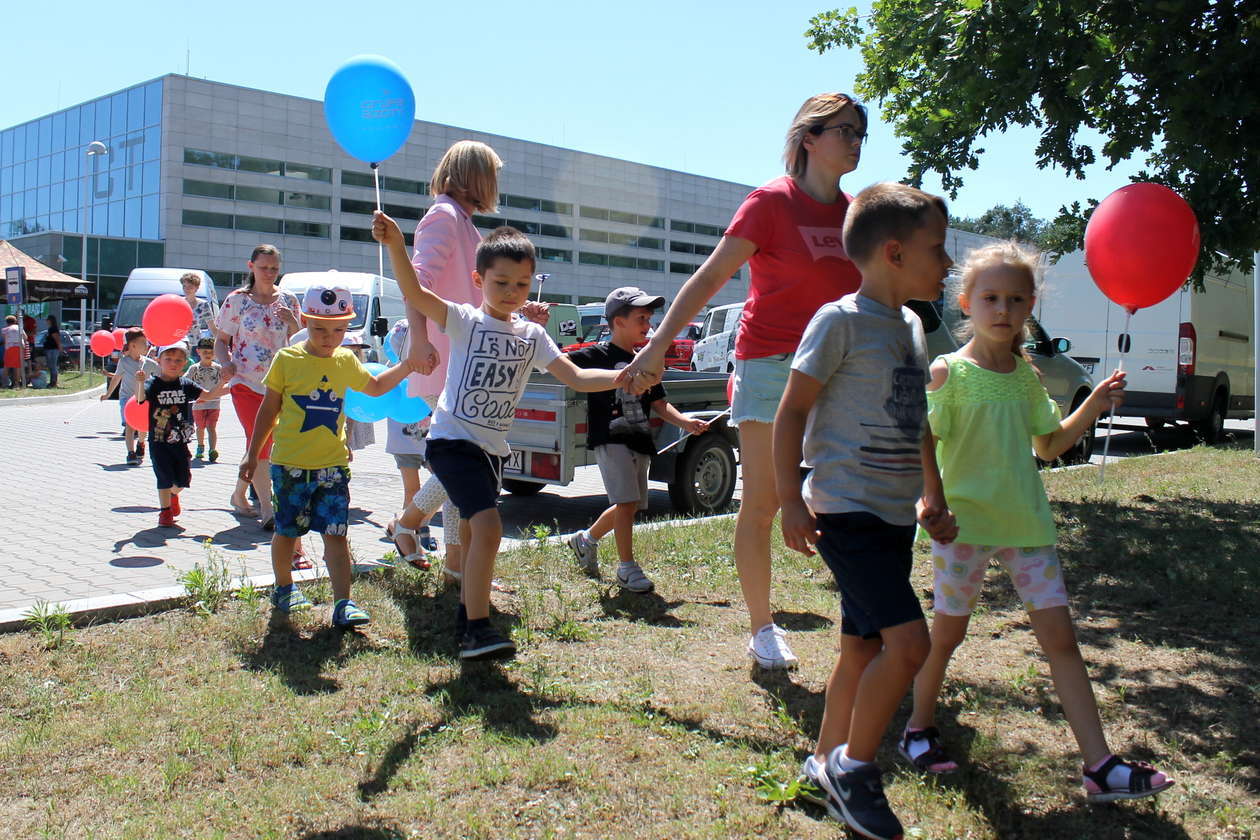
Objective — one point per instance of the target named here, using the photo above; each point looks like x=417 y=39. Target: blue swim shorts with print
x=311 y=500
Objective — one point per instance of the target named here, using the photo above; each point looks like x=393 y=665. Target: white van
x=1190 y=358
x=378 y=303
x=144 y=284
x=715 y=349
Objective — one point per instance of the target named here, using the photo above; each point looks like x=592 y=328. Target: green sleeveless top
x=985 y=422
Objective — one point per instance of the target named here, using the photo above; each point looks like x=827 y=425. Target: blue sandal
x=289 y=599
x=347 y=614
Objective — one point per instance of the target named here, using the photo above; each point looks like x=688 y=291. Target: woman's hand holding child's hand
x=937 y=519
x=1108 y=395
x=800 y=528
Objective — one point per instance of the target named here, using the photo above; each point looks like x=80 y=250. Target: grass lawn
x=638 y=716
x=70 y=382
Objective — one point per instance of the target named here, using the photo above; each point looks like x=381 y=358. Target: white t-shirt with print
x=490 y=361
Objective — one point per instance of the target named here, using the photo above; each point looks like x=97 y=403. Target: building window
x=560 y=207
x=203 y=218
x=367 y=208
x=353 y=234
x=310 y=173
x=649 y=265
x=696 y=227
x=208 y=189
x=587 y=258
x=683 y=268
x=318 y=230
x=405 y=185
x=309 y=200
x=622 y=217
x=618 y=261
x=200 y=158
x=261 y=224
x=264 y=166
x=558 y=231
x=555 y=255
x=690 y=248
x=621 y=239
x=261 y=195
x=594 y=213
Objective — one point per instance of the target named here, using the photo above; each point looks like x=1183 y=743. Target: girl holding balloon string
x=986 y=404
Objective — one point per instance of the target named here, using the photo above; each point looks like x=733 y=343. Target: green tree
x=1173 y=80
x=1017 y=222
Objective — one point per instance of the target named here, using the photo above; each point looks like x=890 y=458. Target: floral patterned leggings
x=959 y=569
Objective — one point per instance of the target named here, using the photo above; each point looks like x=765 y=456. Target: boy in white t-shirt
x=491 y=357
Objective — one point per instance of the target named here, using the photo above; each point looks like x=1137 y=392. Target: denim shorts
x=871 y=562
x=311 y=500
x=409 y=460
x=758 y=387
x=471 y=476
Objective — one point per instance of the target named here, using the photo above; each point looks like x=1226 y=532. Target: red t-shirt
x=799 y=265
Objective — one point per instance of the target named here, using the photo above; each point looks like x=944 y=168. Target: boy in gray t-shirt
x=133 y=359
x=854 y=411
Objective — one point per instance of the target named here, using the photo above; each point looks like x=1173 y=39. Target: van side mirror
x=380 y=327
x=1061 y=345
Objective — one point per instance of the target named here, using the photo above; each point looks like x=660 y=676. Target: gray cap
x=628 y=297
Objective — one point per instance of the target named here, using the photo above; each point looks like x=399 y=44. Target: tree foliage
x=1170 y=81
x=1014 y=222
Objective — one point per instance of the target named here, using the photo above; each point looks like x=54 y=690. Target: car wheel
x=1212 y=427
x=704 y=479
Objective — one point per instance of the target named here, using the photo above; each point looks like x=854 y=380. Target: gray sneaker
x=587 y=552
x=631 y=578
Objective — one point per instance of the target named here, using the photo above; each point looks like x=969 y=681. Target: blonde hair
x=191 y=277
x=1008 y=254
x=813 y=115
x=469 y=171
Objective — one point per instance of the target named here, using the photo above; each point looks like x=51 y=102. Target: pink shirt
x=445 y=255
x=800 y=264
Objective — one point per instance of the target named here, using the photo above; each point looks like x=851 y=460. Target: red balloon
x=102 y=343
x=137 y=415
x=1141 y=244
x=120 y=338
x=166 y=319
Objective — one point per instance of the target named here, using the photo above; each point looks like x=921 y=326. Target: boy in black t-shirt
x=619 y=432
x=169 y=398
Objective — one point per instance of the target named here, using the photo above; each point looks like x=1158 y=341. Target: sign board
x=14 y=278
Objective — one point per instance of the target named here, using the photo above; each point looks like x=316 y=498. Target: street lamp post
x=96 y=147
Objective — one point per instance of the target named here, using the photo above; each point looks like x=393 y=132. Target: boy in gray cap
x=619 y=432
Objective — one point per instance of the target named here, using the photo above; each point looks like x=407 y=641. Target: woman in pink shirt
x=466 y=181
x=788 y=231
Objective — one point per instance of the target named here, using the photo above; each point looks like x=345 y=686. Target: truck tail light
x=1186 y=349
x=535 y=414
x=545 y=465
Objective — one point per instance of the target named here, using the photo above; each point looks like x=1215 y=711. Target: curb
x=55 y=398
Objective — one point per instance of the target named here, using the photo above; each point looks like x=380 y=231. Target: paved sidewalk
x=84 y=524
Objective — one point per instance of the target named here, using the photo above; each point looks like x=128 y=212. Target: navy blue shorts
x=311 y=500
x=172 y=464
x=470 y=475
x=871 y=562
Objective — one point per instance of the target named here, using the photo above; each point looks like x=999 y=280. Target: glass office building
x=197 y=173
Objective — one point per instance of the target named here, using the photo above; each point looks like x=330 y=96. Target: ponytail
x=259 y=250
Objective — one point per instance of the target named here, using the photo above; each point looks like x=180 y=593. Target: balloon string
x=380 y=247
x=1111 y=415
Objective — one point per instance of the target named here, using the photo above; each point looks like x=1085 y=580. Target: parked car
x=714 y=348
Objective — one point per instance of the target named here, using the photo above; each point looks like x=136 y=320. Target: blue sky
x=701 y=87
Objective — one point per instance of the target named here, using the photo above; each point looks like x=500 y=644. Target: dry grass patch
x=638 y=716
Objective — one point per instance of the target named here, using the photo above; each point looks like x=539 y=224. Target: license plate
x=515 y=462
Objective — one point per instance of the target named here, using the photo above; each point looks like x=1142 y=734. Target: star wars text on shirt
x=491 y=377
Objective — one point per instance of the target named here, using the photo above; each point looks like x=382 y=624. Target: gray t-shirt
x=127 y=368
x=863 y=436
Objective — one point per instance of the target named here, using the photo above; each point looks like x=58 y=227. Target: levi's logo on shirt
x=823 y=242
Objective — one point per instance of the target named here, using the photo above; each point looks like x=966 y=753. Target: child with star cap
x=310 y=474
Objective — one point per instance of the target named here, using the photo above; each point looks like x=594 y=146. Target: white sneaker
x=814 y=783
x=630 y=577
x=769 y=648
x=587 y=552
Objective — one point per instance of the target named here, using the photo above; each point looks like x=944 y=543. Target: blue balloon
x=369 y=107
x=407 y=409
x=388 y=347
x=359 y=406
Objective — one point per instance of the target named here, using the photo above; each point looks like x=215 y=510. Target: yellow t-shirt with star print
x=311 y=430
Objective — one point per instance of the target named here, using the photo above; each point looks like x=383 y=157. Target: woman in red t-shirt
x=788 y=231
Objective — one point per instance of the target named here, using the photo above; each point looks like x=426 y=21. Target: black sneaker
x=132 y=459
x=139 y=451
x=857 y=799
x=483 y=641
x=461 y=623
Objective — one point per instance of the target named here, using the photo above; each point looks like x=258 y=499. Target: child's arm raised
x=140 y=391
x=800 y=528
x=690 y=425
x=582 y=379
x=385 y=231
x=385 y=382
x=1109 y=394
x=267 y=414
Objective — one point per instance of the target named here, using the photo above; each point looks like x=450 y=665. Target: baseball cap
x=179 y=345
x=205 y=344
x=329 y=304
x=628 y=297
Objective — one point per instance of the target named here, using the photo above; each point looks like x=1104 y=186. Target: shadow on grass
x=645 y=608
x=355 y=832
x=298 y=661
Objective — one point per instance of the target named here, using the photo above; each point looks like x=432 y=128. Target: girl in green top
x=986 y=404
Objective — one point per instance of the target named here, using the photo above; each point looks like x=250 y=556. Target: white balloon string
x=1111 y=414
x=380 y=247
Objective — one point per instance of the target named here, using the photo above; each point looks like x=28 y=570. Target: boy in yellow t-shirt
x=310 y=474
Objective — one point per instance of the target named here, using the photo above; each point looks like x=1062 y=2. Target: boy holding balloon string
x=132 y=361
x=492 y=354
x=310 y=476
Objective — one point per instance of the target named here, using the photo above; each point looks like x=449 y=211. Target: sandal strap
x=1140 y=775
x=934 y=754
x=1099 y=776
